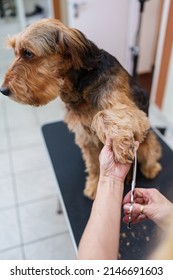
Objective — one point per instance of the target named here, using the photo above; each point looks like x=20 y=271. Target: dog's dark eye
x=27 y=54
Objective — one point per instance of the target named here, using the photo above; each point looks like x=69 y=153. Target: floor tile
x=53 y=111
x=2 y=122
x=30 y=158
x=4 y=143
x=12 y=254
x=9 y=229
x=40 y=219
x=2 y=113
x=7 y=196
x=19 y=115
x=25 y=136
x=56 y=248
x=35 y=185
x=5 y=168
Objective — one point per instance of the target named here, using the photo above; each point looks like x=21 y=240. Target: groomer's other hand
x=108 y=165
x=148 y=204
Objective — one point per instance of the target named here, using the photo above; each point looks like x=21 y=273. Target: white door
x=104 y=22
x=112 y=25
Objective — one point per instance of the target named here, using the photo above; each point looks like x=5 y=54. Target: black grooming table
x=69 y=169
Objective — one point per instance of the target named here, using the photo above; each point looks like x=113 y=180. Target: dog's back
x=104 y=76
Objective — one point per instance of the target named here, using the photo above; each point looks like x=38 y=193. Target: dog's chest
x=80 y=124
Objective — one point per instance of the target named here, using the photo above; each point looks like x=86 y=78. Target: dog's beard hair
x=41 y=86
x=61 y=48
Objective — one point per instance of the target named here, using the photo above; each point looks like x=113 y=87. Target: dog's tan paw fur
x=91 y=188
x=124 y=149
x=151 y=172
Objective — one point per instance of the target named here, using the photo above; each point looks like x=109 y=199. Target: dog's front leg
x=125 y=126
x=90 y=154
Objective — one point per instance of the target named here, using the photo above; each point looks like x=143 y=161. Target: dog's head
x=44 y=53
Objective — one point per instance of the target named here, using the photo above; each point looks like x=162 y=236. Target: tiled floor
x=30 y=227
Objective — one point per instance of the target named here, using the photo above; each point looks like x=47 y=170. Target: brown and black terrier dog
x=101 y=98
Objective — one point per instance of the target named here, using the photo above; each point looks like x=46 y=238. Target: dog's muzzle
x=5 y=90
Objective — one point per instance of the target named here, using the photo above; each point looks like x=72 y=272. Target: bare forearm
x=101 y=236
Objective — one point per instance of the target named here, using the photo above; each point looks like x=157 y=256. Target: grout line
x=35 y=241
x=47 y=237
x=36 y=144
x=28 y=171
x=14 y=187
x=31 y=201
x=9 y=248
x=16 y=206
x=36 y=118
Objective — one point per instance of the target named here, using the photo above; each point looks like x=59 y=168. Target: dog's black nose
x=5 y=90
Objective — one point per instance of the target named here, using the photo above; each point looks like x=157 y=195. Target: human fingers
x=139 y=200
x=127 y=197
x=140 y=196
x=138 y=209
x=134 y=219
x=138 y=213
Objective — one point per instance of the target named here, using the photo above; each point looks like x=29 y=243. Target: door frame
x=57 y=9
x=163 y=55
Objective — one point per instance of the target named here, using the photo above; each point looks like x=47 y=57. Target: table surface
x=69 y=169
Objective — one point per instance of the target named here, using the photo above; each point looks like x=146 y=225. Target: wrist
x=167 y=219
x=112 y=182
x=110 y=177
x=109 y=191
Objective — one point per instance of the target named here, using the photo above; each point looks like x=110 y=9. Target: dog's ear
x=74 y=45
x=11 y=42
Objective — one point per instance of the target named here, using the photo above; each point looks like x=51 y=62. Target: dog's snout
x=5 y=90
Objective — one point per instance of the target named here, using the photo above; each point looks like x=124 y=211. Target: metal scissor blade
x=134 y=172
x=132 y=190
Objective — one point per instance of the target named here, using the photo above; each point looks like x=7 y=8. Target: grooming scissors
x=132 y=191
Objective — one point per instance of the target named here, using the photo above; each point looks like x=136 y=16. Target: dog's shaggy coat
x=101 y=98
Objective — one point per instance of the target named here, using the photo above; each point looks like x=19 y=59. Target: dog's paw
x=151 y=172
x=91 y=188
x=88 y=192
x=124 y=149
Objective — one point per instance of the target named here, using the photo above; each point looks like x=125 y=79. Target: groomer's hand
x=148 y=204
x=108 y=165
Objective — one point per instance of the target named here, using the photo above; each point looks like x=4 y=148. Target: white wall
x=104 y=22
x=7 y=27
x=167 y=108
x=28 y=6
x=149 y=32
x=162 y=31
x=112 y=24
